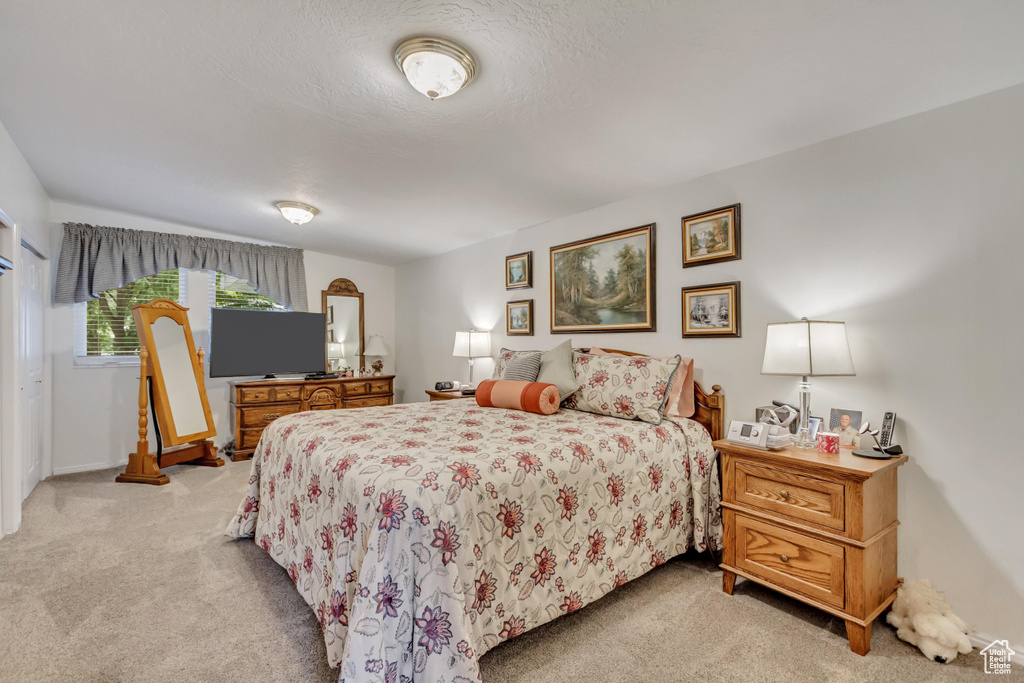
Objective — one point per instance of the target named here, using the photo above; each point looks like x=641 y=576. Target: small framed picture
x=330 y=315
x=330 y=336
x=846 y=423
x=519 y=271
x=519 y=318
x=814 y=424
x=711 y=236
x=712 y=310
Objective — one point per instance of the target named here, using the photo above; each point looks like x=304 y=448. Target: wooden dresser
x=256 y=404
x=819 y=528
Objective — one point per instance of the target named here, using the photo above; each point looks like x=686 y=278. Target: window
x=228 y=291
x=105 y=328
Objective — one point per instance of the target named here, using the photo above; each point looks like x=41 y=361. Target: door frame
x=12 y=238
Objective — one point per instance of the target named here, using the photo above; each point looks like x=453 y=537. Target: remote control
x=885 y=439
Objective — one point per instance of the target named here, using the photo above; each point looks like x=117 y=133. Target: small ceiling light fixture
x=435 y=66
x=296 y=212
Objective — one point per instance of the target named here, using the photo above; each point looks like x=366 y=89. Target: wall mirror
x=343 y=307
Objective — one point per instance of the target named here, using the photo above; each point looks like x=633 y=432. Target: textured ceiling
x=205 y=112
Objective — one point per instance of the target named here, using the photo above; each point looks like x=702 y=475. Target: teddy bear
x=923 y=618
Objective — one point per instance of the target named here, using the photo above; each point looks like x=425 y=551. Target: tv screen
x=244 y=343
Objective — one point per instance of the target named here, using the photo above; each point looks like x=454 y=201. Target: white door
x=31 y=353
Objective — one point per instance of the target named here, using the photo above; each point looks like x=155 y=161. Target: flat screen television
x=245 y=343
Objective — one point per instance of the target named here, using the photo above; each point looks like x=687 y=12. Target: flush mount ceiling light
x=435 y=66
x=296 y=212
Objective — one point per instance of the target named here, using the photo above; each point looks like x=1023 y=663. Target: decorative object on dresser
x=712 y=310
x=519 y=318
x=711 y=236
x=375 y=347
x=472 y=344
x=807 y=348
x=171 y=369
x=342 y=304
x=446 y=395
x=519 y=271
x=819 y=528
x=605 y=283
x=258 y=403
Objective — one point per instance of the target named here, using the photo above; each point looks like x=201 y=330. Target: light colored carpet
x=124 y=582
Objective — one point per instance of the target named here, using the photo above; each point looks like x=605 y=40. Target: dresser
x=818 y=527
x=258 y=403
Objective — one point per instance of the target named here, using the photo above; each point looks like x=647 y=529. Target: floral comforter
x=425 y=534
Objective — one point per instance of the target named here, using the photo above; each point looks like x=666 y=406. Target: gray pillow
x=556 y=368
x=524 y=367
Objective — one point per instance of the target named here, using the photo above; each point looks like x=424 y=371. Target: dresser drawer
x=368 y=402
x=248 y=438
x=264 y=415
x=793 y=495
x=800 y=563
x=268 y=394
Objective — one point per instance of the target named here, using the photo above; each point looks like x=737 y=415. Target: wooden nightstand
x=819 y=528
x=444 y=395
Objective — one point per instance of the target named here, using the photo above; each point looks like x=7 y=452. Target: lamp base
x=803 y=439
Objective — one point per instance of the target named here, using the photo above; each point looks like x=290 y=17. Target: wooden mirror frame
x=344 y=287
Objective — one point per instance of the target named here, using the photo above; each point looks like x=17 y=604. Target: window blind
x=109 y=326
x=228 y=291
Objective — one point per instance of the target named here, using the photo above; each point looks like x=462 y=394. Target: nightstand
x=818 y=527
x=445 y=395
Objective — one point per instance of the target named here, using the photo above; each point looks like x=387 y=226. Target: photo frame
x=519 y=271
x=711 y=310
x=712 y=236
x=605 y=283
x=846 y=423
x=519 y=318
x=330 y=315
x=814 y=424
x=330 y=337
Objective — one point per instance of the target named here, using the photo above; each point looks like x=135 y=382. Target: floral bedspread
x=425 y=534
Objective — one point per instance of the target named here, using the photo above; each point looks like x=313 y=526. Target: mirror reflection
x=343 y=307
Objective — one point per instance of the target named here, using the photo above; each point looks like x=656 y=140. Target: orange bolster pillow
x=533 y=397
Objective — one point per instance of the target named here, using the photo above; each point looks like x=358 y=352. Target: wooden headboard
x=709 y=409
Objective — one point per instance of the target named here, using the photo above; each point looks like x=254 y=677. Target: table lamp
x=807 y=348
x=335 y=354
x=375 y=347
x=472 y=344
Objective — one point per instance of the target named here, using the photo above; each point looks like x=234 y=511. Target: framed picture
x=605 y=283
x=814 y=423
x=330 y=336
x=846 y=423
x=519 y=271
x=519 y=317
x=711 y=236
x=330 y=315
x=712 y=310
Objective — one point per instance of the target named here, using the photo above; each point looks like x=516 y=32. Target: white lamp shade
x=472 y=344
x=375 y=347
x=335 y=350
x=812 y=348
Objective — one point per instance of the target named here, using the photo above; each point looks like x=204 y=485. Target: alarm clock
x=447 y=385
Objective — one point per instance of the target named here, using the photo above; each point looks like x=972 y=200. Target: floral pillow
x=505 y=356
x=631 y=388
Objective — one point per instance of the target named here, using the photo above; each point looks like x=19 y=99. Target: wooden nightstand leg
x=860 y=637
x=728 y=581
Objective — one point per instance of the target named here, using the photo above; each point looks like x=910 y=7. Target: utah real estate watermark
x=997 y=657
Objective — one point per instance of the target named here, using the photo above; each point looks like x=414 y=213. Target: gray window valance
x=95 y=259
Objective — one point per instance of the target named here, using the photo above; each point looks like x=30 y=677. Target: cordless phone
x=885 y=439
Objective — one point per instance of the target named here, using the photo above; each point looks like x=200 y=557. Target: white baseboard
x=88 y=468
x=982 y=640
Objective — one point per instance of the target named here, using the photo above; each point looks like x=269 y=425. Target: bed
x=425 y=534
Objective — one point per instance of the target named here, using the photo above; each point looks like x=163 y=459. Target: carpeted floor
x=123 y=582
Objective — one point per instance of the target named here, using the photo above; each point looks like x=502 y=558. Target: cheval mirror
x=171 y=379
x=343 y=307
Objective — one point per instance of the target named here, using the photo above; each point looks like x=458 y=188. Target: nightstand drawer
x=800 y=563
x=794 y=495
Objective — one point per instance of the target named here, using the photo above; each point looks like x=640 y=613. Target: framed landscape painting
x=519 y=318
x=711 y=236
x=712 y=310
x=519 y=271
x=605 y=283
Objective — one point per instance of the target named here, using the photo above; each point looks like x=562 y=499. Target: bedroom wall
x=912 y=233
x=95 y=408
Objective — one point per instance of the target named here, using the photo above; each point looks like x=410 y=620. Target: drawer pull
x=785 y=494
x=271 y=416
x=784 y=558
